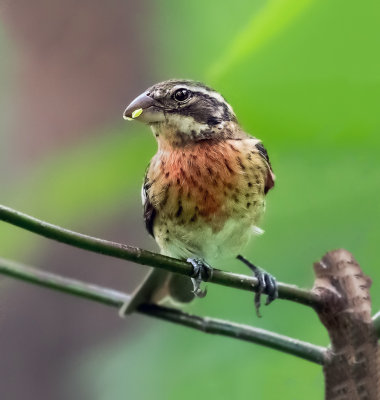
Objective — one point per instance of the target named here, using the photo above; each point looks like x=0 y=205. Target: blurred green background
x=302 y=75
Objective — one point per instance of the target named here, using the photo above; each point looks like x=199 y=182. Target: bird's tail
x=160 y=287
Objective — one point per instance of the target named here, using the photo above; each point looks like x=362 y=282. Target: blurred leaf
x=190 y=36
x=272 y=19
x=317 y=82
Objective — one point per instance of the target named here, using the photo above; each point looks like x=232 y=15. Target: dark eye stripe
x=227 y=115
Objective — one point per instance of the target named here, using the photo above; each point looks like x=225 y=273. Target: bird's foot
x=201 y=272
x=267 y=284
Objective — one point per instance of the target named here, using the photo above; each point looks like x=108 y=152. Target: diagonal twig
x=144 y=257
x=116 y=299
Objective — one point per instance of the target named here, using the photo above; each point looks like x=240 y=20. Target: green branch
x=116 y=299
x=144 y=257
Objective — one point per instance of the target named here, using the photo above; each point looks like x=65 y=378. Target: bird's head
x=183 y=111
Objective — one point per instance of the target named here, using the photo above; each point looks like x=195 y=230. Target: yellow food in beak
x=135 y=114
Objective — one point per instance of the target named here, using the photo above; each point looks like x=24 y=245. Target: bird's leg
x=201 y=272
x=266 y=284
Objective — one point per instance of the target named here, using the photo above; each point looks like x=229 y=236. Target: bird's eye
x=181 y=94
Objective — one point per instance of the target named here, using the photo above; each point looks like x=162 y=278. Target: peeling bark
x=352 y=369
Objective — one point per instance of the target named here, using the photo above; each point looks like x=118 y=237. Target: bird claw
x=202 y=272
x=267 y=284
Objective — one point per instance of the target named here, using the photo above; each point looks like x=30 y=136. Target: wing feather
x=149 y=211
x=269 y=183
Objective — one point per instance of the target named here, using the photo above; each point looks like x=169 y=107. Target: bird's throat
x=185 y=132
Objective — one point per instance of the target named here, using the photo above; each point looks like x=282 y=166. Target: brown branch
x=352 y=369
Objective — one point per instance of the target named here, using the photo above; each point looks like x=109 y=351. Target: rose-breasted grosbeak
x=204 y=190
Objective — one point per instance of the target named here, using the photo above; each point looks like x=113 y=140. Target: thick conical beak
x=144 y=108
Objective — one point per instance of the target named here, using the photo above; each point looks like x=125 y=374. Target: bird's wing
x=269 y=183
x=149 y=210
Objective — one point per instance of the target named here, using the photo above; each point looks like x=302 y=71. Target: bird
x=204 y=190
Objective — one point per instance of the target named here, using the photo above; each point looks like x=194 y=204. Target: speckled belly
x=208 y=196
